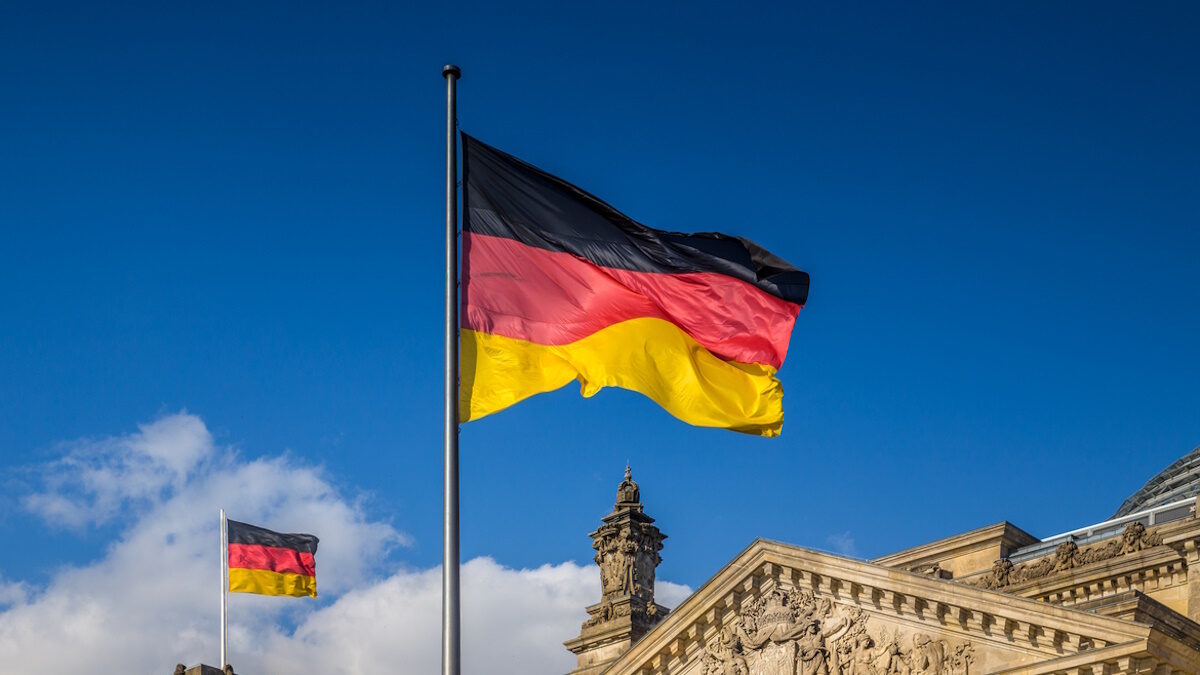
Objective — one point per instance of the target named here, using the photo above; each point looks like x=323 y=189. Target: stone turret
x=627 y=545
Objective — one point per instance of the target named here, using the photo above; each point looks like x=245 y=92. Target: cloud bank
x=151 y=600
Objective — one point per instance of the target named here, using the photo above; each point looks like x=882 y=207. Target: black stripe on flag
x=507 y=197
x=244 y=533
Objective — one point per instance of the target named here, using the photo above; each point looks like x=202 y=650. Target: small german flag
x=270 y=563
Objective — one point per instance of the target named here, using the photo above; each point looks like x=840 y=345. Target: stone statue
x=1001 y=569
x=627 y=558
x=814 y=657
x=890 y=657
x=179 y=669
x=1136 y=537
x=961 y=659
x=1065 y=557
x=724 y=657
x=928 y=655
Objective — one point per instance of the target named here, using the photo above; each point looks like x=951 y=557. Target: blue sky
x=235 y=210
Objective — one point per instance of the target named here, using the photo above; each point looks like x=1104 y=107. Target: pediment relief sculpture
x=1067 y=556
x=794 y=633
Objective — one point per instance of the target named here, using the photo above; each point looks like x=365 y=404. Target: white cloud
x=13 y=593
x=151 y=600
x=96 y=479
x=842 y=543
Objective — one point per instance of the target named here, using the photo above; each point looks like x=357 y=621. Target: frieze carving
x=795 y=633
x=1067 y=556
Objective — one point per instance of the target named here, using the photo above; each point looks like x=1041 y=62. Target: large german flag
x=270 y=563
x=558 y=286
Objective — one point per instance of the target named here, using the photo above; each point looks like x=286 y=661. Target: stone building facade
x=1118 y=597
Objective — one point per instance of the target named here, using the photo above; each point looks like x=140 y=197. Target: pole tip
x=451 y=69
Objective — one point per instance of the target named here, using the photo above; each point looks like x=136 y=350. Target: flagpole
x=451 y=647
x=224 y=591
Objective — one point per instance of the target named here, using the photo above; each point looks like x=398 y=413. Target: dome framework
x=1178 y=481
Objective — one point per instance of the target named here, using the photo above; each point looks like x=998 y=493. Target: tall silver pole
x=224 y=591
x=451 y=647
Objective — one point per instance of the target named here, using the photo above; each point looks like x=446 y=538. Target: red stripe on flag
x=553 y=298
x=271 y=558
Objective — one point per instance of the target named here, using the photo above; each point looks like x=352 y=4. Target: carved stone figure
x=857 y=656
x=793 y=632
x=935 y=570
x=1136 y=537
x=1001 y=569
x=961 y=659
x=814 y=657
x=1067 y=556
x=890 y=658
x=928 y=655
x=723 y=656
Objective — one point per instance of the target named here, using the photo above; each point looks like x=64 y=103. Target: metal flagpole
x=451 y=648
x=224 y=590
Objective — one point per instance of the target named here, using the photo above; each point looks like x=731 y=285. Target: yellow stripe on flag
x=646 y=355
x=266 y=582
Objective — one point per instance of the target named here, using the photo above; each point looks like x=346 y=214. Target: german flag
x=558 y=286
x=270 y=563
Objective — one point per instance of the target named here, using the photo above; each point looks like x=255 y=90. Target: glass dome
x=1174 y=483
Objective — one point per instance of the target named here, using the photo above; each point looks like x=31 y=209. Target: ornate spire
x=627 y=546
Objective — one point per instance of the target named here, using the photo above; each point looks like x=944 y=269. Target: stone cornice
x=1157 y=654
x=1141 y=608
x=1119 y=658
x=889 y=594
x=600 y=636
x=1004 y=533
x=1183 y=536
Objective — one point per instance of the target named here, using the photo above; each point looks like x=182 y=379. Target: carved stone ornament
x=627 y=491
x=627 y=551
x=935 y=570
x=794 y=633
x=1067 y=556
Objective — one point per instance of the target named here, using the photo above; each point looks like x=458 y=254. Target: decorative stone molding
x=795 y=633
x=1068 y=556
x=755 y=617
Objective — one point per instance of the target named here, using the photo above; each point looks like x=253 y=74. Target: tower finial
x=628 y=495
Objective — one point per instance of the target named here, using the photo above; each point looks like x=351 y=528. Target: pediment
x=778 y=609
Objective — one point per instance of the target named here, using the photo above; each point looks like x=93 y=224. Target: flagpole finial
x=451 y=69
